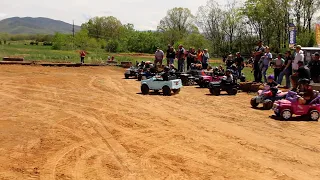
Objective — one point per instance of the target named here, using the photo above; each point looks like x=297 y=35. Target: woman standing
x=205 y=59
x=278 y=66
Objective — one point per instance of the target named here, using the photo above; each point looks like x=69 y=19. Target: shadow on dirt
x=293 y=119
x=260 y=109
x=219 y=95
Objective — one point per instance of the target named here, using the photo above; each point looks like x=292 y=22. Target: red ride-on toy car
x=289 y=106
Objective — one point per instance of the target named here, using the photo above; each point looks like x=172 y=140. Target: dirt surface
x=90 y=123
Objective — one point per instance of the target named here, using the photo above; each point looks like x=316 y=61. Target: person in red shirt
x=82 y=55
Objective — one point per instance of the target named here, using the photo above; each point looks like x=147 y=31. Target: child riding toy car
x=267 y=97
x=291 y=105
x=228 y=84
x=131 y=72
x=306 y=102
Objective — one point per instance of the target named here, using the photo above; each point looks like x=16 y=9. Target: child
x=273 y=86
x=228 y=78
x=306 y=92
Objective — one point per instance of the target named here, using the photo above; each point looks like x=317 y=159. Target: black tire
x=144 y=89
x=166 y=91
x=211 y=91
x=234 y=91
x=267 y=105
x=176 y=91
x=190 y=82
x=216 y=91
x=156 y=91
x=127 y=76
x=201 y=85
x=314 y=115
x=254 y=103
x=286 y=114
x=139 y=78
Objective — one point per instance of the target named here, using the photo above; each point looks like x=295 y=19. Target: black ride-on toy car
x=230 y=86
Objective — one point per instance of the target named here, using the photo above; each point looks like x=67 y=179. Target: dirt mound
x=91 y=123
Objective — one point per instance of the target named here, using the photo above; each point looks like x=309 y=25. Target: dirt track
x=90 y=123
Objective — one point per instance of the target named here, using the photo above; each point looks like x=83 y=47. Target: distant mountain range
x=29 y=25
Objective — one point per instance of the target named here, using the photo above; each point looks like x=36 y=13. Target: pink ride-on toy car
x=204 y=81
x=289 y=106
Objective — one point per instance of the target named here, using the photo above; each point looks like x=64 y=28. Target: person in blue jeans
x=287 y=71
x=266 y=61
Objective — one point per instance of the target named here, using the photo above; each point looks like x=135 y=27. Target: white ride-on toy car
x=157 y=83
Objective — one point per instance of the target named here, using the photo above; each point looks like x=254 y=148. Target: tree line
x=222 y=29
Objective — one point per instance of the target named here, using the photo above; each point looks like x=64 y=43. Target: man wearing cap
x=158 y=57
x=298 y=56
x=257 y=57
x=302 y=72
x=314 y=67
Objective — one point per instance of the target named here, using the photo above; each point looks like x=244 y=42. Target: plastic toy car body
x=157 y=83
x=231 y=88
x=204 y=81
x=266 y=99
x=290 y=106
x=187 y=79
x=131 y=72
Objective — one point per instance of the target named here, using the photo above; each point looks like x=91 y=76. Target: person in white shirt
x=158 y=57
x=298 y=56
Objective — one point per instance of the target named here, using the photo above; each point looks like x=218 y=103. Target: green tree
x=59 y=41
x=177 y=23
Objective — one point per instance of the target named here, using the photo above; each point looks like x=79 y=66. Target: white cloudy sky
x=144 y=14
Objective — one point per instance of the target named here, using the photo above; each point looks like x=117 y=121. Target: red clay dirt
x=90 y=123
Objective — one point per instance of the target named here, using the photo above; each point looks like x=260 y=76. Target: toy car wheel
x=234 y=91
x=156 y=91
x=314 y=115
x=166 y=91
x=190 y=82
x=144 y=89
x=286 y=114
x=215 y=91
x=176 y=91
x=254 y=103
x=139 y=78
x=201 y=85
x=127 y=76
x=267 y=104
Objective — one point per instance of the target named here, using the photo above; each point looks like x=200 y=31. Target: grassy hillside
x=30 y=25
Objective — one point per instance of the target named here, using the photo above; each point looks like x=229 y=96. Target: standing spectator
x=278 y=66
x=287 y=71
x=180 y=54
x=256 y=64
x=302 y=72
x=83 y=54
x=266 y=59
x=298 y=56
x=205 y=59
x=239 y=63
x=314 y=67
x=171 y=55
x=199 y=55
x=158 y=57
x=191 y=58
x=168 y=54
